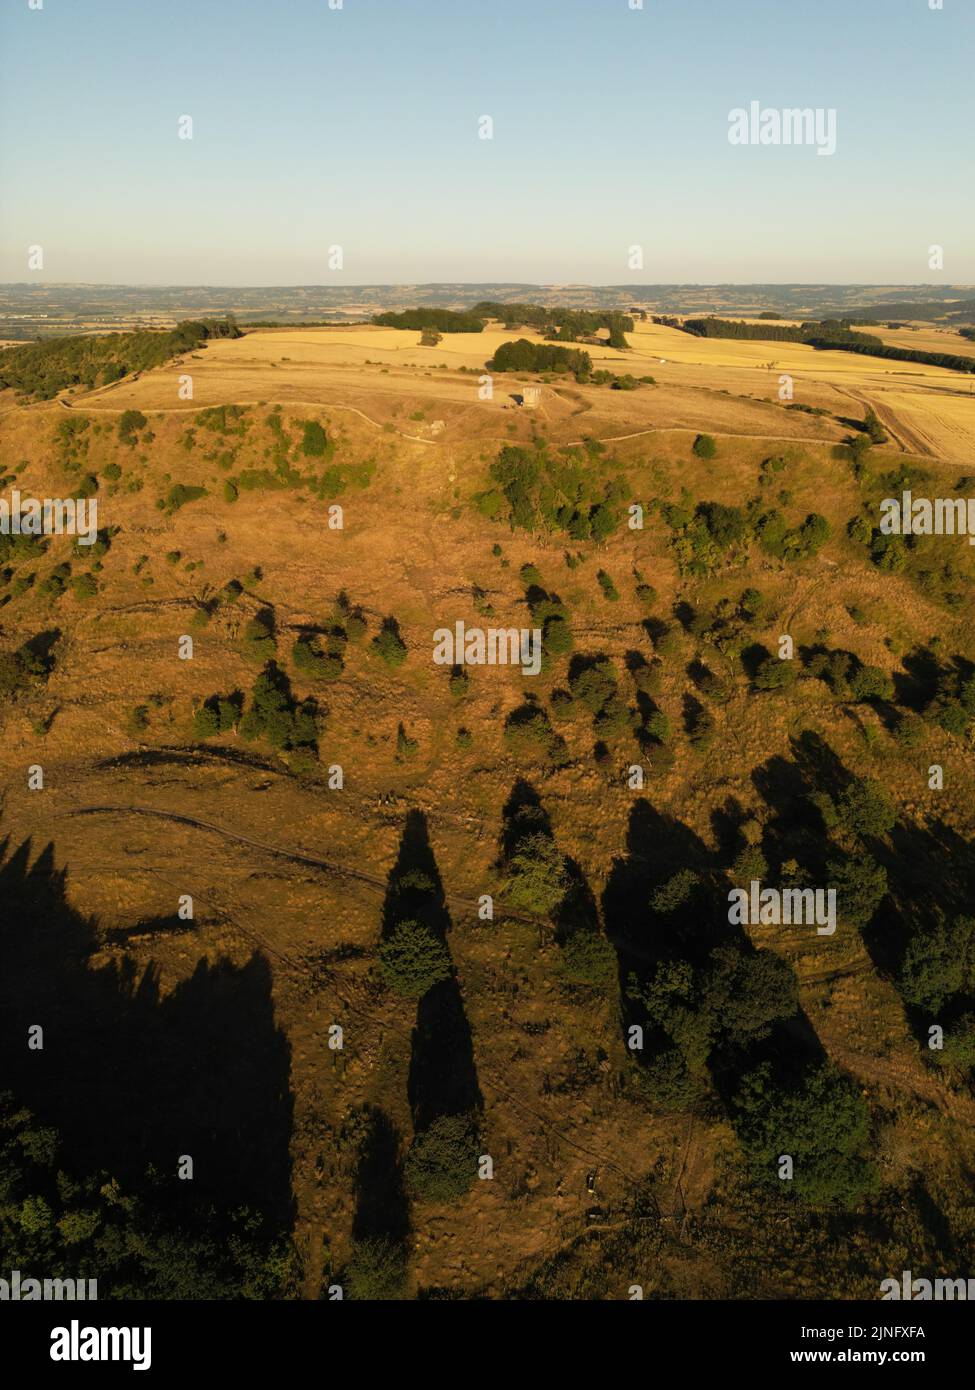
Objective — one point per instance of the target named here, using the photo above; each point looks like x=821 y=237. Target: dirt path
x=331 y=867
x=417 y=439
x=195 y=409
x=309 y=861
x=906 y=439
x=907 y=1077
x=721 y=434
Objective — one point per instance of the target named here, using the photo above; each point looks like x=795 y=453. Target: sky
x=359 y=127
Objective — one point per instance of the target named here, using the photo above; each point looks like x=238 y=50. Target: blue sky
x=358 y=127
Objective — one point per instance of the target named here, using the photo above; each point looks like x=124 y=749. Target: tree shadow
x=134 y=1078
x=691 y=712
x=41 y=647
x=523 y=814
x=930 y=875
x=752 y=658
x=414 y=890
x=726 y=823
x=666 y=904
x=443 y=1074
x=578 y=910
x=930 y=869
x=916 y=684
x=382 y=1207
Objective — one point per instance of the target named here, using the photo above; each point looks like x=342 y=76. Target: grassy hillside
x=487 y=881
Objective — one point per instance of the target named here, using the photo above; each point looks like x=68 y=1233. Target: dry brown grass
x=413 y=548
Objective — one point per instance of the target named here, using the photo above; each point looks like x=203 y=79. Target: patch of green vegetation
x=56 y=582
x=219 y=714
x=609 y=589
x=389 y=644
x=314 y=440
x=84 y=586
x=441 y=1164
x=537 y=880
x=559 y=323
x=311 y=660
x=276 y=716
x=129 y=425
x=525 y=356
x=376 y=1270
x=223 y=420
x=27 y=666
x=413 y=959
x=528 y=733
x=258 y=640
x=442 y=320
x=705 y=447
x=179 y=495
x=821 y=1121
x=406 y=747
x=540 y=492
x=132 y=1238
x=708 y=535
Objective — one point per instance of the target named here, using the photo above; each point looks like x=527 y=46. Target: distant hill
x=955 y=310
x=31 y=310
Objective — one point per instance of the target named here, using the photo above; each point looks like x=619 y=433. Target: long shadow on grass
x=382 y=1208
x=443 y=1074
x=930 y=869
x=133 y=1077
x=666 y=909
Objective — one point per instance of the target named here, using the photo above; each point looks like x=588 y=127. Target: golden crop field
x=733 y=385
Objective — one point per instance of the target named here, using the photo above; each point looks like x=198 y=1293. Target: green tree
x=59 y=1223
x=676 y=892
x=314 y=440
x=537 y=877
x=529 y=734
x=441 y=1164
x=588 y=958
x=259 y=643
x=939 y=964
x=820 y=1121
x=389 y=644
x=873 y=428
x=413 y=959
x=775 y=674
x=866 y=808
x=130 y=422
x=206 y=722
x=376 y=1271
x=705 y=447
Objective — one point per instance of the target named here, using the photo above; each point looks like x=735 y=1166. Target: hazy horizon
x=941 y=285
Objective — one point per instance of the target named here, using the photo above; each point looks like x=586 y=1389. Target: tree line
x=829 y=329
x=829 y=335
x=440 y=320
x=568 y=324
x=42 y=369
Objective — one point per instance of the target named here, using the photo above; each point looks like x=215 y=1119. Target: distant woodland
x=836 y=335
x=43 y=369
